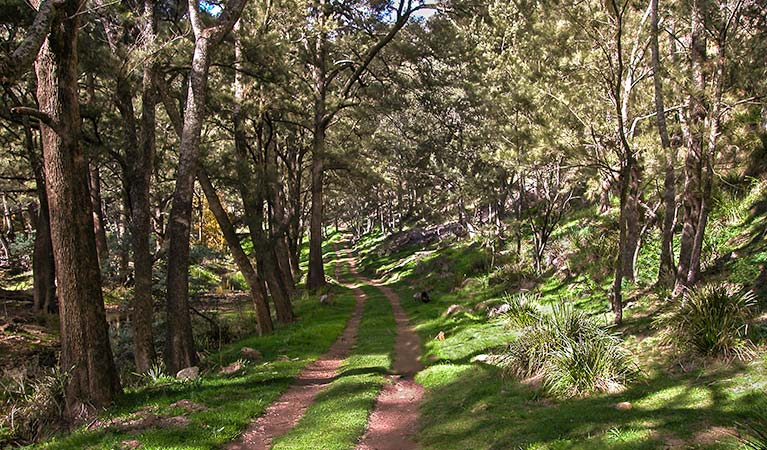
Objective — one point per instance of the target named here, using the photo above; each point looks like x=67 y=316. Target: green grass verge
x=231 y=402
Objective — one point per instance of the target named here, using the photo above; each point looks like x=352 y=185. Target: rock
x=417 y=296
x=130 y=445
x=325 y=299
x=190 y=373
x=177 y=421
x=499 y=310
x=440 y=336
x=231 y=368
x=481 y=358
x=188 y=406
x=453 y=309
x=142 y=421
x=251 y=354
x=624 y=406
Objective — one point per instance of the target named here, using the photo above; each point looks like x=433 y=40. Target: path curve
x=393 y=423
x=285 y=413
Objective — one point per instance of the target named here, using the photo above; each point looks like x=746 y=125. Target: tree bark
x=280 y=223
x=694 y=159
x=316 y=276
x=256 y=284
x=179 y=343
x=666 y=267
x=631 y=220
x=43 y=267
x=254 y=218
x=102 y=249
x=85 y=351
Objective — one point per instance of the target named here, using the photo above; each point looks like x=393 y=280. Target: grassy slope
x=231 y=401
x=474 y=406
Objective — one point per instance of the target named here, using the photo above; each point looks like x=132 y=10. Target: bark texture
x=85 y=351
x=179 y=350
x=256 y=285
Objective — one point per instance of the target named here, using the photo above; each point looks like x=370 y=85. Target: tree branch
x=13 y=66
x=37 y=114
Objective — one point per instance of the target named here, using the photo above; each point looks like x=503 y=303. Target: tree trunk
x=85 y=351
x=631 y=219
x=43 y=267
x=693 y=161
x=256 y=284
x=98 y=215
x=179 y=344
x=265 y=254
x=140 y=165
x=316 y=277
x=7 y=220
x=280 y=223
x=666 y=267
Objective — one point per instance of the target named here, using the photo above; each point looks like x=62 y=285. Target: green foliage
x=710 y=320
x=30 y=403
x=521 y=310
x=202 y=279
x=572 y=353
x=513 y=276
x=21 y=250
x=754 y=428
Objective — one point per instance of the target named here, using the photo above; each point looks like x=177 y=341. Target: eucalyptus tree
x=137 y=159
x=179 y=350
x=85 y=350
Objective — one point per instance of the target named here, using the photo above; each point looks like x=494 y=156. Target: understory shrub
x=572 y=353
x=31 y=404
x=513 y=276
x=710 y=320
x=521 y=310
x=753 y=431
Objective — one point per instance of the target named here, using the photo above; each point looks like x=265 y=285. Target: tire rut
x=285 y=413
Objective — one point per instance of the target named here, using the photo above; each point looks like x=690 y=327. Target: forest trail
x=394 y=420
x=285 y=413
x=392 y=424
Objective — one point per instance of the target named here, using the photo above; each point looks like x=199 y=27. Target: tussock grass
x=572 y=353
x=710 y=320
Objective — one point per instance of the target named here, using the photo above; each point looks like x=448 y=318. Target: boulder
x=624 y=406
x=190 y=373
x=130 y=445
x=231 y=368
x=499 y=310
x=251 y=354
x=453 y=309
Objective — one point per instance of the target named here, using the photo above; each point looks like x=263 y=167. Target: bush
x=513 y=276
x=571 y=353
x=31 y=404
x=754 y=429
x=521 y=310
x=710 y=320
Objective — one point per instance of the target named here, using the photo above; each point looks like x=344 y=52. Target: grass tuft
x=572 y=354
x=711 y=320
